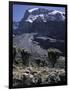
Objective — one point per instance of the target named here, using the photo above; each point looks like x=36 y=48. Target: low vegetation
x=29 y=71
x=53 y=55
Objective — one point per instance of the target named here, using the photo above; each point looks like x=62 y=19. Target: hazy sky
x=19 y=10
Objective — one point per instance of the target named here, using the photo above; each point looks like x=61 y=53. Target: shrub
x=25 y=57
x=53 y=55
x=16 y=62
x=14 y=53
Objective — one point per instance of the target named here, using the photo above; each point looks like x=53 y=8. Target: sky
x=19 y=10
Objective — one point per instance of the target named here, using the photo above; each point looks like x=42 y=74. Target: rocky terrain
x=31 y=76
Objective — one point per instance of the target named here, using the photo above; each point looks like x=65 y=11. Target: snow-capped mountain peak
x=57 y=15
x=49 y=22
x=44 y=15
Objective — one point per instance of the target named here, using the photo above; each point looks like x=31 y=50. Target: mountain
x=15 y=28
x=49 y=26
x=15 y=25
x=49 y=22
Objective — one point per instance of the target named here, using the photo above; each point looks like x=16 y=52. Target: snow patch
x=32 y=18
x=31 y=10
x=29 y=20
x=55 y=12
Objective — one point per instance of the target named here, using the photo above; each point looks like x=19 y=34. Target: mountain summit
x=44 y=21
x=45 y=15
